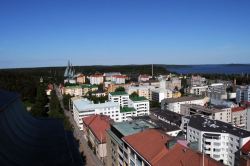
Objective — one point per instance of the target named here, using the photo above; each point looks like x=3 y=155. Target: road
x=91 y=159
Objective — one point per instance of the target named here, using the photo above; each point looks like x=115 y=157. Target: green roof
x=138 y=98
x=118 y=93
x=127 y=109
x=89 y=86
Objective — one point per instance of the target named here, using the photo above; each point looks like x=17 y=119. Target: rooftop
x=237 y=109
x=98 y=124
x=83 y=105
x=170 y=116
x=166 y=127
x=127 y=109
x=118 y=93
x=89 y=86
x=138 y=98
x=131 y=127
x=200 y=108
x=161 y=90
x=153 y=150
x=181 y=99
x=205 y=124
x=246 y=148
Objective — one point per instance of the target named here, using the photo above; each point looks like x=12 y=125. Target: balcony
x=212 y=136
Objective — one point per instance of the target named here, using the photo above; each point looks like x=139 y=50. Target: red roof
x=97 y=75
x=181 y=155
x=153 y=149
x=236 y=109
x=98 y=124
x=151 y=145
x=246 y=148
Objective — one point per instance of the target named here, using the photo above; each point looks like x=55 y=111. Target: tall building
x=215 y=138
x=243 y=94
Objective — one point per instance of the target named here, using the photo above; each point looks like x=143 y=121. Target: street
x=91 y=159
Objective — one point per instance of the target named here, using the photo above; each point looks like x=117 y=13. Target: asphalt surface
x=91 y=159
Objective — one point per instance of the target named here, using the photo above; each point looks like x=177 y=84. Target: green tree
x=134 y=94
x=66 y=99
x=38 y=109
x=120 y=89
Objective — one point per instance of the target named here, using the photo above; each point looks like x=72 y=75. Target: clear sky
x=111 y=32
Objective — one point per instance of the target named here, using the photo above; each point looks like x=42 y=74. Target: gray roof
x=205 y=124
x=181 y=99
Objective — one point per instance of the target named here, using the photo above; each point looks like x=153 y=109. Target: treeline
x=45 y=107
x=241 y=79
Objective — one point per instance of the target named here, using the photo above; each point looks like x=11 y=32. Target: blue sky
x=111 y=32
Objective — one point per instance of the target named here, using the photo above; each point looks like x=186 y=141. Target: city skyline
x=48 y=33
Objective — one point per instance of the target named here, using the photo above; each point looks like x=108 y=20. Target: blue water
x=221 y=69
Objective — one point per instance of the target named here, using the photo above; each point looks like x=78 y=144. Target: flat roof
x=205 y=124
x=181 y=99
x=138 y=98
x=203 y=108
x=119 y=93
x=132 y=127
x=83 y=105
x=127 y=109
x=170 y=116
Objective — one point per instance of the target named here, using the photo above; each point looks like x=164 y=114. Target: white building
x=96 y=79
x=215 y=138
x=83 y=108
x=144 y=77
x=198 y=90
x=121 y=98
x=243 y=94
x=110 y=74
x=174 y=104
x=119 y=79
x=160 y=93
x=239 y=117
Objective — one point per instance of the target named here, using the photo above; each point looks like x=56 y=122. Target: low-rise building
x=210 y=112
x=144 y=78
x=87 y=88
x=72 y=90
x=109 y=75
x=173 y=83
x=96 y=79
x=196 y=81
x=174 y=104
x=160 y=93
x=119 y=79
x=80 y=78
x=215 y=138
x=143 y=91
x=94 y=132
x=112 y=87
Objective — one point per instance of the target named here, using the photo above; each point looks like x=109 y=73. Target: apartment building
x=173 y=83
x=196 y=80
x=239 y=117
x=144 y=78
x=174 y=104
x=80 y=78
x=109 y=75
x=210 y=112
x=243 y=94
x=143 y=91
x=121 y=98
x=198 y=90
x=160 y=93
x=96 y=79
x=94 y=132
x=117 y=154
x=73 y=90
x=119 y=79
x=84 y=108
x=215 y=138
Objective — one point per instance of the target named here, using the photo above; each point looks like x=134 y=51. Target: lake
x=221 y=69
